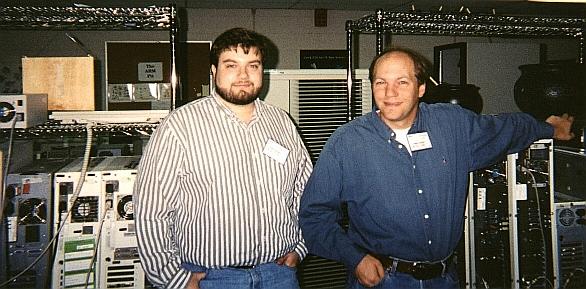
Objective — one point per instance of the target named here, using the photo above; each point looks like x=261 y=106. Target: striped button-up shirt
x=214 y=192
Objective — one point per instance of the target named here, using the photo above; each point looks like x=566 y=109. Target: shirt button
x=400 y=146
x=413 y=166
x=389 y=141
x=392 y=134
x=426 y=216
x=420 y=191
x=429 y=242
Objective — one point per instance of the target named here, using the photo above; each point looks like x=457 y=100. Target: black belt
x=419 y=270
x=242 y=267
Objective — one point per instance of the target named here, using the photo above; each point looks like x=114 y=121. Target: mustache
x=242 y=83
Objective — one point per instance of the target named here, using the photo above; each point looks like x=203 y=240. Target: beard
x=240 y=98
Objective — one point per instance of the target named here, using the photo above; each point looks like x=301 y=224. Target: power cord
x=97 y=246
x=7 y=167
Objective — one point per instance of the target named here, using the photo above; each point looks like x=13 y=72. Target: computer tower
x=98 y=247
x=489 y=228
x=28 y=221
x=78 y=220
x=120 y=265
x=570 y=167
x=509 y=219
x=571 y=239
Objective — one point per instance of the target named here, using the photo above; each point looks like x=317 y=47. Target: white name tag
x=275 y=151
x=419 y=141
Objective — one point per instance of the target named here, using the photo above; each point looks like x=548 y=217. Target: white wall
x=290 y=30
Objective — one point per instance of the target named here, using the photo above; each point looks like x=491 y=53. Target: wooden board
x=68 y=81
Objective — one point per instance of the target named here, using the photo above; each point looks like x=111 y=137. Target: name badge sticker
x=275 y=151
x=419 y=141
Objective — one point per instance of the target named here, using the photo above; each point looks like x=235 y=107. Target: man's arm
x=491 y=137
x=153 y=200
x=321 y=212
x=303 y=172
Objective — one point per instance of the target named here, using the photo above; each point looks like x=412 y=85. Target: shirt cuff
x=352 y=257
x=548 y=131
x=301 y=250
x=179 y=280
x=353 y=262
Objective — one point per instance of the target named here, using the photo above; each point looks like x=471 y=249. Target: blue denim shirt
x=407 y=206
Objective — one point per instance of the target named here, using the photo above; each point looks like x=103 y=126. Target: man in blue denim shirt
x=402 y=170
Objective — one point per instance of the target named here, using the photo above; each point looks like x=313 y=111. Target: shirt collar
x=386 y=132
x=379 y=126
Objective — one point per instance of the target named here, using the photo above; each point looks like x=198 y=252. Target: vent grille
x=320 y=106
x=125 y=208
x=572 y=256
x=572 y=265
x=320 y=273
x=32 y=211
x=121 y=276
x=566 y=217
x=85 y=209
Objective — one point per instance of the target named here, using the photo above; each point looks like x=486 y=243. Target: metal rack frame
x=459 y=24
x=95 y=18
x=86 y=18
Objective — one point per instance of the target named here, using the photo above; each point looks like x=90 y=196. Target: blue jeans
x=265 y=276
x=398 y=280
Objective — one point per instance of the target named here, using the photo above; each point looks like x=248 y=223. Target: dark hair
x=422 y=64
x=234 y=38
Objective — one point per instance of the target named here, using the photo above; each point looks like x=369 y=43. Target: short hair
x=237 y=37
x=422 y=65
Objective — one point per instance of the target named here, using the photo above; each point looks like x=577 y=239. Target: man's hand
x=562 y=126
x=369 y=271
x=193 y=282
x=291 y=259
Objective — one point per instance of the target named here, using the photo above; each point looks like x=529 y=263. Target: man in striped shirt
x=218 y=187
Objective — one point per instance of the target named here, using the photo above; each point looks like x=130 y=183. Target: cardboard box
x=68 y=81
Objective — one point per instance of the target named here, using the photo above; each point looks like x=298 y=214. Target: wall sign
x=150 y=71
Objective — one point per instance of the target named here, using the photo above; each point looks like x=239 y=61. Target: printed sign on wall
x=150 y=71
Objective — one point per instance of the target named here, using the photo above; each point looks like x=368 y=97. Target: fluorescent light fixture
x=560 y=1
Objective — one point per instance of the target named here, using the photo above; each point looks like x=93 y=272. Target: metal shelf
x=55 y=129
x=90 y=18
x=458 y=24
x=86 y=18
x=464 y=24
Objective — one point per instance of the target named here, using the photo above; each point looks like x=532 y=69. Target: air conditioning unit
x=26 y=109
x=317 y=100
